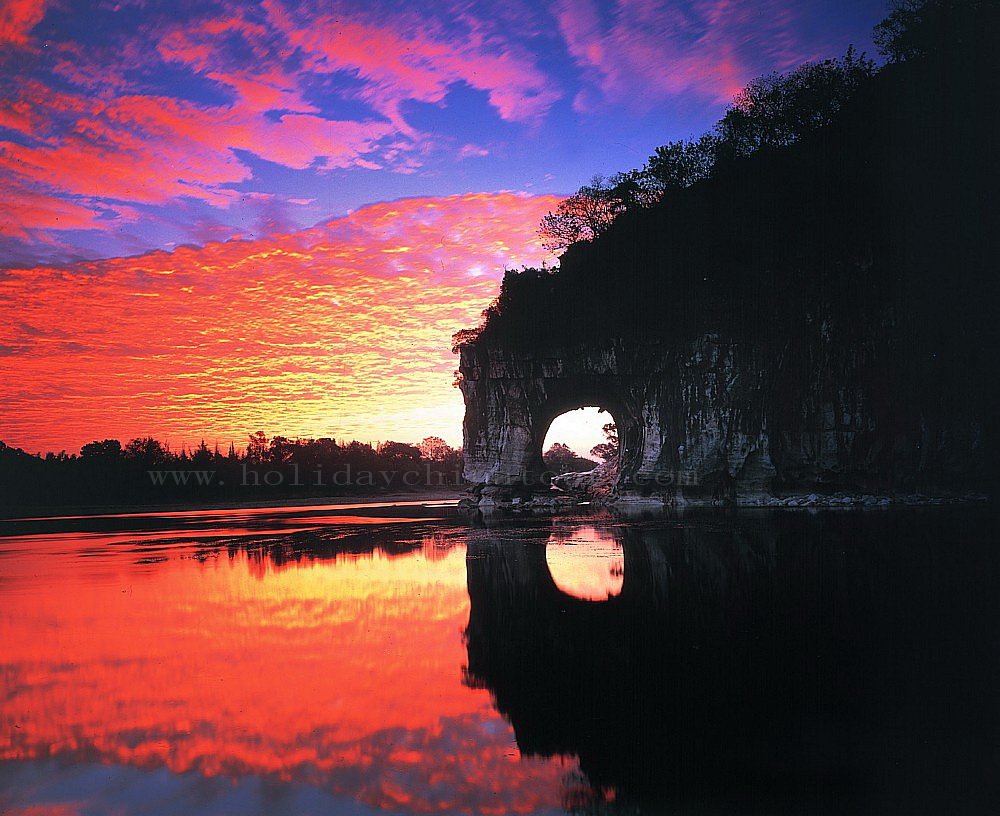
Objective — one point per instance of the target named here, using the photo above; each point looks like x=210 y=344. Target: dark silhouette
x=772 y=111
x=842 y=250
x=560 y=458
x=757 y=664
x=146 y=471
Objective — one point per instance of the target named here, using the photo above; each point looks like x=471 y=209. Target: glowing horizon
x=342 y=331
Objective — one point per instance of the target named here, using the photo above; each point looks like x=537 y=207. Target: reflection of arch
x=534 y=576
x=587 y=565
x=744 y=664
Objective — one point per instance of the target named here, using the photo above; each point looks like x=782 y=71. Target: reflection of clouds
x=241 y=335
x=40 y=788
x=340 y=675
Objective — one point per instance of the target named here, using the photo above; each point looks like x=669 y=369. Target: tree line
x=772 y=111
x=145 y=470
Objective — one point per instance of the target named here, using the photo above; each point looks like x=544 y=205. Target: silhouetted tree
x=147 y=452
x=105 y=449
x=257 y=447
x=778 y=109
x=435 y=449
x=399 y=451
x=281 y=449
x=609 y=448
x=583 y=216
x=560 y=458
x=919 y=28
x=202 y=456
x=680 y=164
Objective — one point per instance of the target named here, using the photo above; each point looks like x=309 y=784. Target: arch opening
x=580 y=439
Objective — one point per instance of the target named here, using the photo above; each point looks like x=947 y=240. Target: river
x=370 y=658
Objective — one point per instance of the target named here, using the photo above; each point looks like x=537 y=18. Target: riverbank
x=287 y=502
x=567 y=502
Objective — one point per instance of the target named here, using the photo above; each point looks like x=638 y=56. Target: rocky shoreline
x=505 y=500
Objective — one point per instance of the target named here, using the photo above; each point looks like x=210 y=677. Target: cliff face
x=715 y=419
x=817 y=317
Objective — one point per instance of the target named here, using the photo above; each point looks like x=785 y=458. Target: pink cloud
x=26 y=210
x=655 y=49
x=417 y=62
x=153 y=149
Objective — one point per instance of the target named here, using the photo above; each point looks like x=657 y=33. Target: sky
x=217 y=218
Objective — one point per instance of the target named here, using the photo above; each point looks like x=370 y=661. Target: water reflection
x=586 y=562
x=324 y=660
x=772 y=663
x=304 y=663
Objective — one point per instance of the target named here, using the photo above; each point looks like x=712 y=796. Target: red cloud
x=341 y=329
x=17 y=18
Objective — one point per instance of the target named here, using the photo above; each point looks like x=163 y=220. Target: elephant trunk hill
x=813 y=318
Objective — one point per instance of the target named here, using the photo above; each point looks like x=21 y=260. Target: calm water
x=362 y=659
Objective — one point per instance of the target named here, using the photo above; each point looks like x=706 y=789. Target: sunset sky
x=223 y=217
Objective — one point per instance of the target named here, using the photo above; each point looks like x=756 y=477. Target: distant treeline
x=146 y=471
x=839 y=184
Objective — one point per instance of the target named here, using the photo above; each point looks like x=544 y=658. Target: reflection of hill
x=835 y=663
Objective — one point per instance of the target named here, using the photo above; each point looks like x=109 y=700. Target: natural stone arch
x=512 y=398
x=690 y=417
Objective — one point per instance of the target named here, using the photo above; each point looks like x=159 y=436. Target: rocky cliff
x=812 y=319
x=713 y=420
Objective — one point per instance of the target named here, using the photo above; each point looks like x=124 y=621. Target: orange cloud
x=343 y=329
